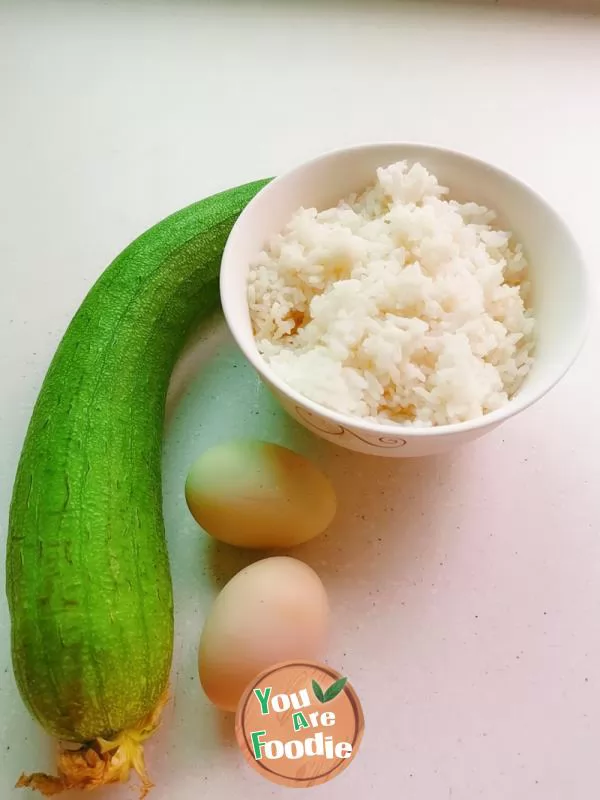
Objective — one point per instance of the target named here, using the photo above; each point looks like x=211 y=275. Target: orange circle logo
x=299 y=724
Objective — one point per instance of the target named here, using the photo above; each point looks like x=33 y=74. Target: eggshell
x=272 y=611
x=256 y=494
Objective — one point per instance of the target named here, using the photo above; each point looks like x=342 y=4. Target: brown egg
x=256 y=494
x=272 y=611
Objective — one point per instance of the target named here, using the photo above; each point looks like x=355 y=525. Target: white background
x=465 y=589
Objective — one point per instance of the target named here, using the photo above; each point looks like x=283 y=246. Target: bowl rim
x=514 y=405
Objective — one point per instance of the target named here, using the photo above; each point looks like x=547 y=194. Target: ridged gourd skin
x=88 y=580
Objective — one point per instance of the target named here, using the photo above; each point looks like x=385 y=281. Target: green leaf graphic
x=318 y=692
x=334 y=689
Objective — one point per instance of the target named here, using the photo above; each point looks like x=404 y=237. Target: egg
x=272 y=611
x=256 y=494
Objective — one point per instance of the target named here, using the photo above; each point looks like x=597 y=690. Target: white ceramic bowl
x=558 y=275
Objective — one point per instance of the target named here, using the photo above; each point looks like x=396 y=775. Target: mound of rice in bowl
x=398 y=305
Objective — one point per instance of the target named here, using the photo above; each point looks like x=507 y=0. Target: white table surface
x=465 y=589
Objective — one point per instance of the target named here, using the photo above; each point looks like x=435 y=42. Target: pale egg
x=272 y=611
x=256 y=494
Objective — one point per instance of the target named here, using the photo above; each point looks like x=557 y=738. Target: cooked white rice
x=397 y=305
